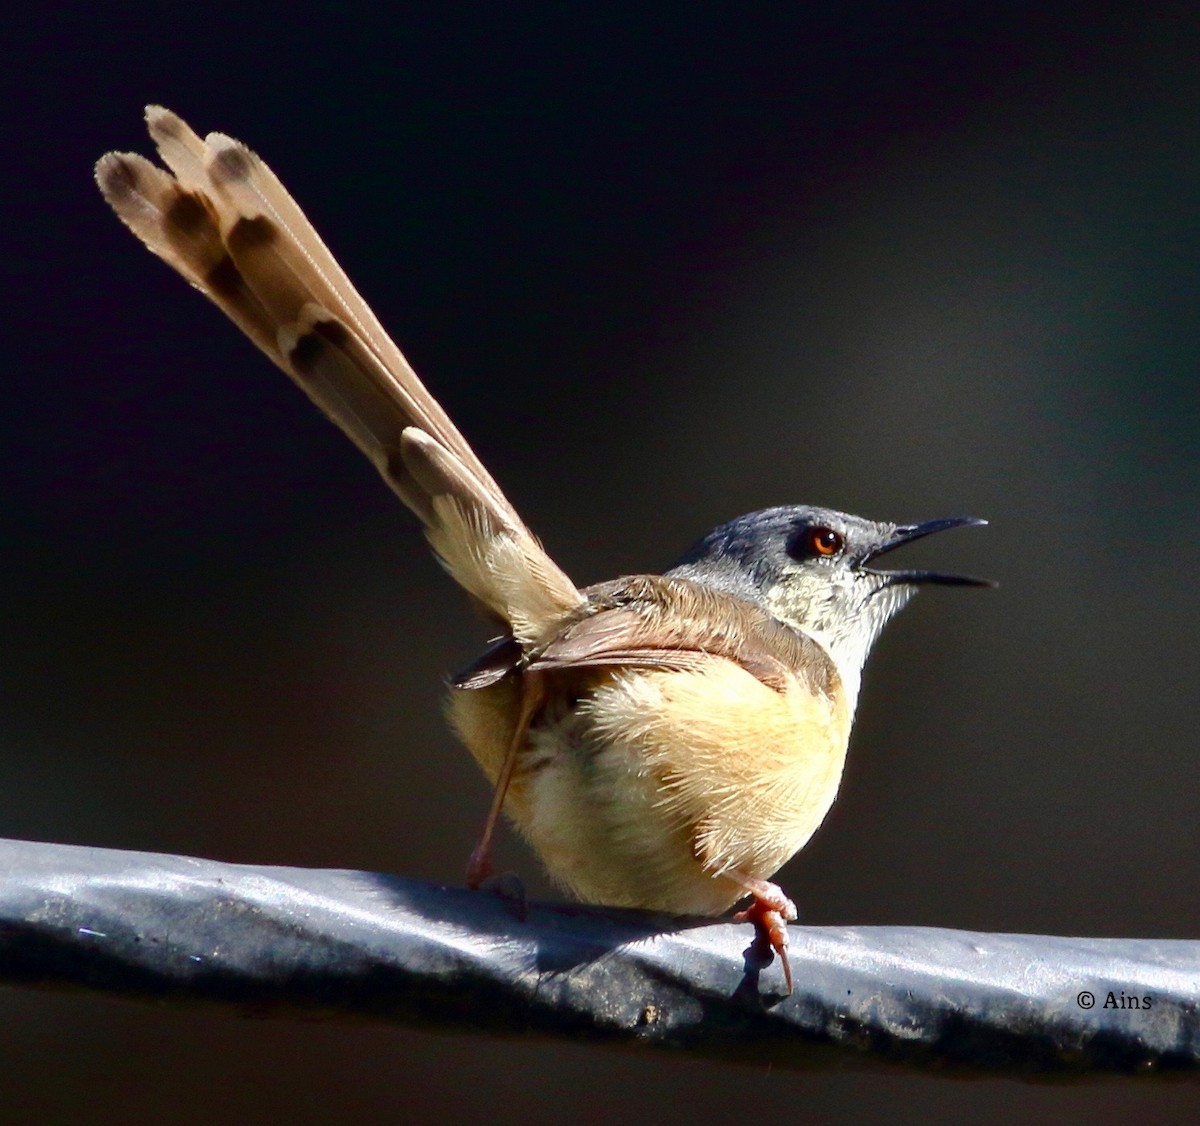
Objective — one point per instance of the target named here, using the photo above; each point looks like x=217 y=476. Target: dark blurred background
x=664 y=264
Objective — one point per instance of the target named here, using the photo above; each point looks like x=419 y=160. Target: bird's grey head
x=808 y=567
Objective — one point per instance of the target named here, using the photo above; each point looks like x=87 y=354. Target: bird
x=662 y=741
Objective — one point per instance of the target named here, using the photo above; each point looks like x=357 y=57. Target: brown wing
x=650 y=621
x=223 y=220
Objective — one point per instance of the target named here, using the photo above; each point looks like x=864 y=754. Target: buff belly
x=651 y=784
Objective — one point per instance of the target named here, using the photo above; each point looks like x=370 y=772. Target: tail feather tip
x=116 y=175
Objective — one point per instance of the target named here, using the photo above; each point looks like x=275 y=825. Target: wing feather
x=651 y=621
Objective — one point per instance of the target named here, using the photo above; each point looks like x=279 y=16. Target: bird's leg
x=770 y=912
x=479 y=867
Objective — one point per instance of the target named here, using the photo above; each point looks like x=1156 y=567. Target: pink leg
x=770 y=912
x=480 y=868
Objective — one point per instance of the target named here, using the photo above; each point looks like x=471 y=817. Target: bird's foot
x=770 y=912
x=480 y=868
x=482 y=875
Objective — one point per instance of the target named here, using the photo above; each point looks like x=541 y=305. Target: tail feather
x=223 y=220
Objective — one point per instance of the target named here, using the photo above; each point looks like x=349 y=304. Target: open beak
x=912 y=532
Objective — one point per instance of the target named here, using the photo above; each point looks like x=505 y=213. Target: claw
x=480 y=868
x=770 y=912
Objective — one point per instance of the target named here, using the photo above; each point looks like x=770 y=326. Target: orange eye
x=824 y=541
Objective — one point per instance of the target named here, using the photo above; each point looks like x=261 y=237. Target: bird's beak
x=911 y=532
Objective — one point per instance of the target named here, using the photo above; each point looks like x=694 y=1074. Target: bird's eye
x=816 y=541
x=824 y=541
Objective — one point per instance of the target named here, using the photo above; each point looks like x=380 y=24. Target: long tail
x=221 y=218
